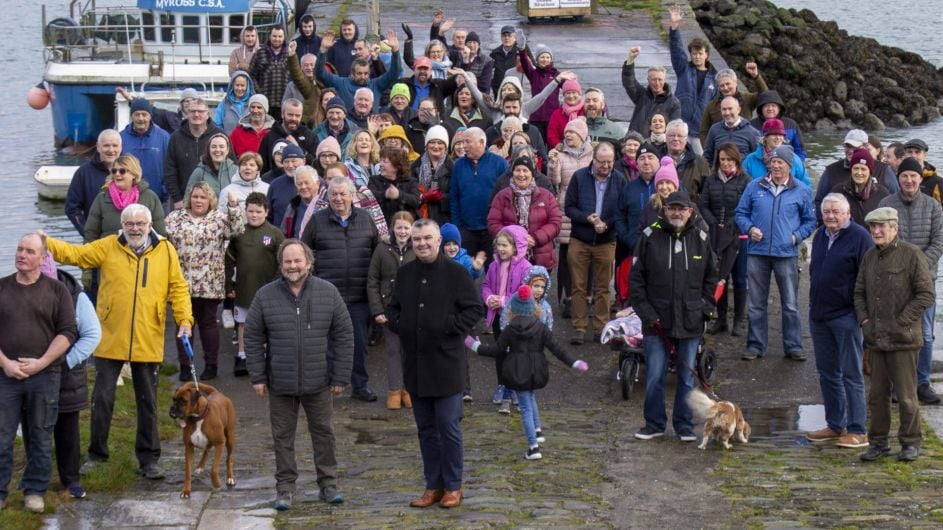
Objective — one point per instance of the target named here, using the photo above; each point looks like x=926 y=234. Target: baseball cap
x=856 y=138
x=507 y=29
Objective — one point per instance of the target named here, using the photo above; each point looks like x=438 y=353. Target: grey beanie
x=541 y=49
x=784 y=152
x=261 y=100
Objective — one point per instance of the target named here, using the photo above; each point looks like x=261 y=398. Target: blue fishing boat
x=160 y=46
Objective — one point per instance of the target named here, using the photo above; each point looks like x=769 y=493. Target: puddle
x=775 y=422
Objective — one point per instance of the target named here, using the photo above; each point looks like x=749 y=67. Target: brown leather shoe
x=451 y=499
x=429 y=497
x=393 y=401
x=405 y=399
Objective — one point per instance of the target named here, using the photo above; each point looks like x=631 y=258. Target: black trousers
x=145 y=377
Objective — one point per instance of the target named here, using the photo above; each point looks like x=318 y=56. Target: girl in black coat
x=520 y=361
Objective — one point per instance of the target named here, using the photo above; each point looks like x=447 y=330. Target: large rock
x=834 y=79
x=872 y=122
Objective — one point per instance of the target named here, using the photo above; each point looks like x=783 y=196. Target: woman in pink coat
x=535 y=209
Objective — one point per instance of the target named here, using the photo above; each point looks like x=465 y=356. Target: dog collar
x=202 y=415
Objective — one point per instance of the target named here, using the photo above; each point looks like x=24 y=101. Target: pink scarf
x=572 y=111
x=122 y=199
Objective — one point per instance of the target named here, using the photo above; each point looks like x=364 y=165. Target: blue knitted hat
x=450 y=233
x=522 y=303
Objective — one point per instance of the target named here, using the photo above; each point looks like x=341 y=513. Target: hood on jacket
x=242 y=40
x=250 y=90
x=523 y=326
x=538 y=271
x=305 y=18
x=246 y=122
x=519 y=235
x=509 y=80
x=770 y=96
x=341 y=38
x=397 y=131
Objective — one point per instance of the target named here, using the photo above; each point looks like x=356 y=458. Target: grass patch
x=119 y=473
x=806 y=484
x=335 y=24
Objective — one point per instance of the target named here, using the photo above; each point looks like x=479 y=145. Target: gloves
x=472 y=343
x=433 y=195
x=408 y=31
x=580 y=366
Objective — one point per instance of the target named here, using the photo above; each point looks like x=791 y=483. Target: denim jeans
x=439 y=422
x=656 y=368
x=925 y=359
x=38 y=397
x=360 y=318
x=530 y=416
x=758 y=282
x=837 y=344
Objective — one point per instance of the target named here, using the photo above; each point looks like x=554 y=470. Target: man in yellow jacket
x=140 y=272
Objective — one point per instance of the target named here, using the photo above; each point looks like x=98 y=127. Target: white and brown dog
x=722 y=419
x=208 y=419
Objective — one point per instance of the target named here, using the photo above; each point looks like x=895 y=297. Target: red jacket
x=557 y=127
x=245 y=139
x=543 y=222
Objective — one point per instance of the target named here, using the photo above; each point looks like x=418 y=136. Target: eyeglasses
x=676 y=136
x=329 y=155
x=135 y=224
x=118 y=171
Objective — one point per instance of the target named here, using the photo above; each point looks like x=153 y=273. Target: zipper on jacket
x=144 y=275
x=134 y=307
x=298 y=356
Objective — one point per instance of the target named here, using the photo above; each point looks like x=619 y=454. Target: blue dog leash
x=188 y=348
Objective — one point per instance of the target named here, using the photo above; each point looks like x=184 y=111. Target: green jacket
x=893 y=289
x=253 y=258
x=104 y=219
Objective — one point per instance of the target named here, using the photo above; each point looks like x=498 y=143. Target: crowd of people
x=347 y=191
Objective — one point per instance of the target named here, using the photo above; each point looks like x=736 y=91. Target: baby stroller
x=624 y=335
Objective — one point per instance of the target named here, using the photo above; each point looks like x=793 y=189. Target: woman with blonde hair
x=199 y=232
x=123 y=187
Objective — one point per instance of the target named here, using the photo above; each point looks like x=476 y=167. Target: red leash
x=673 y=352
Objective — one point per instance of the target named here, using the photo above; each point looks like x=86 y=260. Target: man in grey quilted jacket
x=287 y=330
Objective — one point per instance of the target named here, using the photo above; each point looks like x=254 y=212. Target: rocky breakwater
x=828 y=78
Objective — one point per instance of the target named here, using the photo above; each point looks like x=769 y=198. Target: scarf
x=122 y=199
x=522 y=199
x=865 y=193
x=571 y=111
x=659 y=139
x=726 y=177
x=440 y=68
x=427 y=171
x=630 y=163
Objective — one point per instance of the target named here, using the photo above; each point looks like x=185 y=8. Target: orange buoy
x=38 y=97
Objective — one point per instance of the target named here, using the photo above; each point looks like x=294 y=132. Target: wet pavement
x=594 y=473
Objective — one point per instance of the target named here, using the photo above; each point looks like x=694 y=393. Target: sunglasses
x=118 y=171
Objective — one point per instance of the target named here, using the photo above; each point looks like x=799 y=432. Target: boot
x=209 y=372
x=393 y=401
x=739 y=313
x=405 y=399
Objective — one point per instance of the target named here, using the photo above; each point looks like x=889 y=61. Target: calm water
x=26 y=142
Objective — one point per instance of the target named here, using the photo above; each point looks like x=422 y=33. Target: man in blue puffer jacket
x=776 y=212
x=695 y=87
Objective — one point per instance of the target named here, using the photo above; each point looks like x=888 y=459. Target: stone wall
x=827 y=78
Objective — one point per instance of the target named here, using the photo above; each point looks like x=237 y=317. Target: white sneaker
x=228 y=321
x=34 y=503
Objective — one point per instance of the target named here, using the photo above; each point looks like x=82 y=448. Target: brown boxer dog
x=207 y=418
